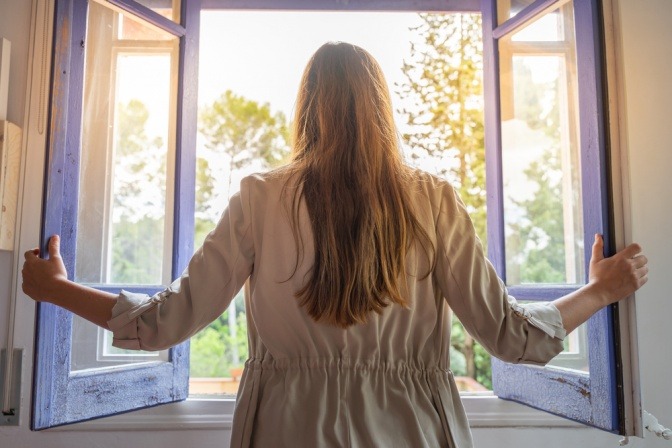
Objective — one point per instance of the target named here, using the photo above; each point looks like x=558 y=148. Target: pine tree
x=445 y=127
x=445 y=121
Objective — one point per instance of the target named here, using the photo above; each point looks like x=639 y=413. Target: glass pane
x=469 y=361
x=575 y=354
x=92 y=349
x=128 y=120
x=167 y=8
x=540 y=163
x=545 y=29
x=124 y=224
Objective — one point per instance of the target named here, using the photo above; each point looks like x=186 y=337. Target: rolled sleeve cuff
x=123 y=323
x=543 y=315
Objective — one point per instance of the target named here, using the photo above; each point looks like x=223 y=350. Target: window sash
x=591 y=398
x=61 y=396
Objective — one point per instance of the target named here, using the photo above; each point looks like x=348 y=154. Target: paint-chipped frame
x=590 y=398
x=59 y=396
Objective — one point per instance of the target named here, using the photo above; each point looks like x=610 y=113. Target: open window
x=119 y=191
x=122 y=169
x=549 y=193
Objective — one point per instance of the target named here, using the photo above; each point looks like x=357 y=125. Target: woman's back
x=383 y=383
x=314 y=384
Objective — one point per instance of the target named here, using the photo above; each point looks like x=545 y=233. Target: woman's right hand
x=41 y=277
x=609 y=280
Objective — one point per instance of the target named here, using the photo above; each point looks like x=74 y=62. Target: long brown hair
x=351 y=174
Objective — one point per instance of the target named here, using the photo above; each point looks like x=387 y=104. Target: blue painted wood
x=185 y=164
x=530 y=12
x=493 y=142
x=147 y=14
x=602 y=361
x=540 y=292
x=593 y=398
x=60 y=397
x=66 y=83
x=563 y=393
x=347 y=5
x=185 y=171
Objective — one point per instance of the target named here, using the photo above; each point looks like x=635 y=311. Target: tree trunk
x=468 y=352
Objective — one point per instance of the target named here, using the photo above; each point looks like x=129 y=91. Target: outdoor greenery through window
x=124 y=220
x=250 y=67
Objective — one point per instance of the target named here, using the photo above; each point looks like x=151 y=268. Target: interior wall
x=14 y=26
x=647 y=59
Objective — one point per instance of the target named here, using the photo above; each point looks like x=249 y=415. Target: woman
x=354 y=262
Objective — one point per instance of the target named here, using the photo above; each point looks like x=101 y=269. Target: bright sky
x=261 y=55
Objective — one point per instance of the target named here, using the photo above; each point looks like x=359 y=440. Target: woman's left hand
x=40 y=276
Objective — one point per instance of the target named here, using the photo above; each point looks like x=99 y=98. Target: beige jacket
x=384 y=384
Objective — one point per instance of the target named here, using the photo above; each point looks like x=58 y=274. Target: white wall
x=647 y=58
x=14 y=26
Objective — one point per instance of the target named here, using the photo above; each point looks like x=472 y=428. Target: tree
x=536 y=239
x=246 y=134
x=139 y=198
x=445 y=122
x=213 y=347
x=245 y=131
x=539 y=234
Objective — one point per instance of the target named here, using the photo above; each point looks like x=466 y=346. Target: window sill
x=484 y=410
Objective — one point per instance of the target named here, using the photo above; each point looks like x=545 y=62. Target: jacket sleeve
x=513 y=332
x=213 y=277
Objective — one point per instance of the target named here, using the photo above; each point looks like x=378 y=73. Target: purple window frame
x=59 y=396
x=593 y=398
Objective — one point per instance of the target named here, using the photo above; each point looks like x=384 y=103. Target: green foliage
x=445 y=122
x=139 y=199
x=134 y=258
x=245 y=131
x=445 y=119
x=245 y=134
x=461 y=347
x=242 y=133
x=212 y=348
x=535 y=240
x=539 y=235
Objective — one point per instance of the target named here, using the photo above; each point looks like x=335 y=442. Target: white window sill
x=484 y=410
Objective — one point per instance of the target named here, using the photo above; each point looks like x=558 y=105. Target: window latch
x=652 y=425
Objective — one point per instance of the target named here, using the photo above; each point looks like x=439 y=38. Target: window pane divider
x=147 y=365
x=541 y=292
x=528 y=14
x=151 y=17
x=140 y=289
x=540 y=48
